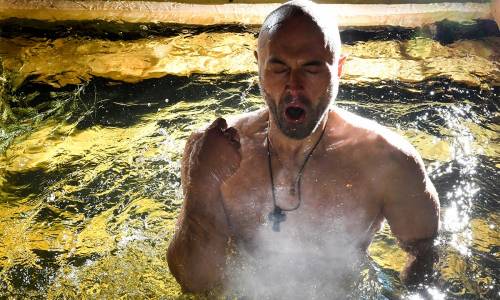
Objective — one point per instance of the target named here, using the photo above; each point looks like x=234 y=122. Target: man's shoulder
x=250 y=123
x=370 y=136
x=251 y=128
x=245 y=122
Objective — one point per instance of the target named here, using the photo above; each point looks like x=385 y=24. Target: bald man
x=298 y=168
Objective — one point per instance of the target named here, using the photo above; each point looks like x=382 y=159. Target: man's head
x=299 y=66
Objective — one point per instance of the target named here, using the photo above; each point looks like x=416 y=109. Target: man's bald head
x=327 y=25
x=299 y=66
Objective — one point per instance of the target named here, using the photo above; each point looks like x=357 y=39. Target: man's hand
x=216 y=155
x=197 y=253
x=419 y=267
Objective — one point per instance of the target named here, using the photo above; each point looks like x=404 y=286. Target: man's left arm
x=411 y=207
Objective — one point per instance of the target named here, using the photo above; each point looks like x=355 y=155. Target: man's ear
x=342 y=60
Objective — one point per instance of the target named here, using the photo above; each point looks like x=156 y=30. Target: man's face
x=298 y=76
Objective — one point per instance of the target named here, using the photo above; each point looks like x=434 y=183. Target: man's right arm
x=197 y=252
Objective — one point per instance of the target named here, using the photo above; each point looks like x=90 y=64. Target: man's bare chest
x=331 y=194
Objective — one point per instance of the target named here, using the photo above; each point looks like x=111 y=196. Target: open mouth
x=295 y=114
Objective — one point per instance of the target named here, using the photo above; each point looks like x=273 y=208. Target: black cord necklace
x=277 y=215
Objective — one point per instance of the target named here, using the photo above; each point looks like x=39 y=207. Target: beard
x=312 y=115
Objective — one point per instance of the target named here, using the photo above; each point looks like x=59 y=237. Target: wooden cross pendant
x=277 y=216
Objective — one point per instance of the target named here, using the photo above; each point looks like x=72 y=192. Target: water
x=89 y=196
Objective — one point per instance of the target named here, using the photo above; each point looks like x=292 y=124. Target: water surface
x=90 y=195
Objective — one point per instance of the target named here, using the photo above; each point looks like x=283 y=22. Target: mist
x=299 y=262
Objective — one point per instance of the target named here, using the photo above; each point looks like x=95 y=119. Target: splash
x=300 y=262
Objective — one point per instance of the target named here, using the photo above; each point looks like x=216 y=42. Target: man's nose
x=295 y=82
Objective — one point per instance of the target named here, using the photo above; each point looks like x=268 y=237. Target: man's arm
x=411 y=208
x=197 y=252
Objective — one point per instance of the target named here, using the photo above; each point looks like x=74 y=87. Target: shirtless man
x=298 y=165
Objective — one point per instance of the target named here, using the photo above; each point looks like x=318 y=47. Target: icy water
x=89 y=198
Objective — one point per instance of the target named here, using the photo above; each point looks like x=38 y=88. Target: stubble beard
x=314 y=114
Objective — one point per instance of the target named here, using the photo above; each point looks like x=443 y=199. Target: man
x=495 y=11
x=299 y=168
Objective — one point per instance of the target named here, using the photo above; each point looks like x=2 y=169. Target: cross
x=277 y=216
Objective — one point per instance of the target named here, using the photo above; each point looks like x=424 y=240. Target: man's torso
x=340 y=191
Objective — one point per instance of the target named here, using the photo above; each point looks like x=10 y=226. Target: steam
x=304 y=262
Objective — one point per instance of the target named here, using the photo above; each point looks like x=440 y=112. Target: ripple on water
x=89 y=205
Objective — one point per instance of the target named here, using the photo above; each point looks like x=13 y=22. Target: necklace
x=277 y=215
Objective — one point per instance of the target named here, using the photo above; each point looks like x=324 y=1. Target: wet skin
x=359 y=174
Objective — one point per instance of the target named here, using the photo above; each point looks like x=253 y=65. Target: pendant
x=276 y=216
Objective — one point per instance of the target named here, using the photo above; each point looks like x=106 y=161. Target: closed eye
x=313 y=67
x=312 y=70
x=277 y=66
x=279 y=69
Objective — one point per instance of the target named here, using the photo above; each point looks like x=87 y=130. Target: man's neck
x=291 y=150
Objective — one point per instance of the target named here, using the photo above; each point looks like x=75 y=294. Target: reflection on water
x=73 y=60
x=89 y=198
x=88 y=205
x=459 y=142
